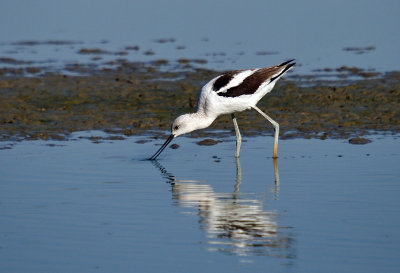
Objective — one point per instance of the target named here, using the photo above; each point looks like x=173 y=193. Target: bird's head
x=183 y=124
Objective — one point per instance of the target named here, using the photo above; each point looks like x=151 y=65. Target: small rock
x=208 y=142
x=359 y=140
x=174 y=146
x=115 y=138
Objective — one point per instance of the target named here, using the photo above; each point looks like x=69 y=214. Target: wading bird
x=231 y=92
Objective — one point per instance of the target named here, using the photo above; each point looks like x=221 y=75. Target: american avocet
x=231 y=92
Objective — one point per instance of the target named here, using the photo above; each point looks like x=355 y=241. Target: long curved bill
x=169 y=139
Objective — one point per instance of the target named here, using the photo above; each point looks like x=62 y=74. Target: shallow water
x=227 y=34
x=77 y=206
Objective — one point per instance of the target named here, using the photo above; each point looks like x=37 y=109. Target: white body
x=235 y=91
x=213 y=105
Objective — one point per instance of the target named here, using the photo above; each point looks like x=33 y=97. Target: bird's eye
x=176 y=127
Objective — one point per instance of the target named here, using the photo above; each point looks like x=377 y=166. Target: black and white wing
x=247 y=82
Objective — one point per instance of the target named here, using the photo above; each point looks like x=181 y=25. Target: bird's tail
x=284 y=67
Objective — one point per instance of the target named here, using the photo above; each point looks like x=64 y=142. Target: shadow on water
x=235 y=223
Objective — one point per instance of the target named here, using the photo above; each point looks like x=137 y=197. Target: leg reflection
x=277 y=180
x=234 y=223
x=238 y=174
x=276 y=172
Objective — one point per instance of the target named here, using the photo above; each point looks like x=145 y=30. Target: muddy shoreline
x=142 y=99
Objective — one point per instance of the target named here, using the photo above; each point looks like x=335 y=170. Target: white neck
x=201 y=120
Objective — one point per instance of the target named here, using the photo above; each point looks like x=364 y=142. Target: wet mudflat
x=81 y=205
x=135 y=98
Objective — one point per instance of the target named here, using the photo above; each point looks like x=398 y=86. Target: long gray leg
x=238 y=136
x=276 y=126
x=238 y=174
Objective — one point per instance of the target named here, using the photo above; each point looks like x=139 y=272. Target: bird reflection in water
x=235 y=223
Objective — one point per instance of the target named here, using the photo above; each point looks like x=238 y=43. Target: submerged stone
x=359 y=140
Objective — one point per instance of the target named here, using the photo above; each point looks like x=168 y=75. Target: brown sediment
x=359 y=140
x=149 y=52
x=208 y=142
x=188 y=61
x=48 y=42
x=165 y=40
x=93 y=51
x=13 y=61
x=346 y=71
x=135 y=48
x=161 y=62
x=263 y=53
x=359 y=50
x=174 y=146
x=139 y=98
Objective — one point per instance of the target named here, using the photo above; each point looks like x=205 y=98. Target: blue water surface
x=227 y=34
x=78 y=206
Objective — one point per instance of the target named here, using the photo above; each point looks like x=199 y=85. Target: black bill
x=169 y=139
